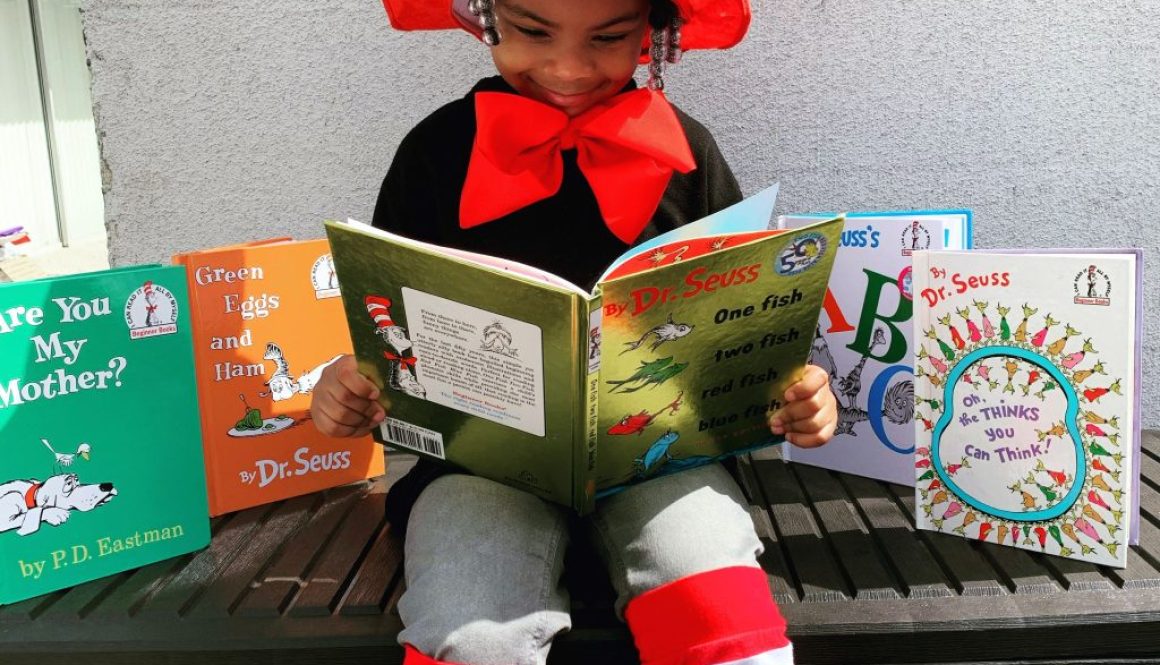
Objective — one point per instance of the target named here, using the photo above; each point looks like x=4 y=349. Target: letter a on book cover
x=1028 y=419
x=268 y=320
x=102 y=467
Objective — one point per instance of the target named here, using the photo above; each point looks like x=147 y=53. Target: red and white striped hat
x=380 y=310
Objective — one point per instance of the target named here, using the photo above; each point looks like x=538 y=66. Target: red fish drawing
x=635 y=424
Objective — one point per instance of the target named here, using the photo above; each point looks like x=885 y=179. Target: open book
x=676 y=359
x=1027 y=387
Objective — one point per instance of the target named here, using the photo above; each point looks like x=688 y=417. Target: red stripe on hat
x=411 y=656
x=712 y=617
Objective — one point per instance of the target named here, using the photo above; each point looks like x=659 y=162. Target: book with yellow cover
x=268 y=320
x=676 y=359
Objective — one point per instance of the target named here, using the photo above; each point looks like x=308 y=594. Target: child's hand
x=810 y=414
x=345 y=402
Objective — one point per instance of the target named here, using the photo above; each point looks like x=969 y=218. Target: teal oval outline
x=1070 y=419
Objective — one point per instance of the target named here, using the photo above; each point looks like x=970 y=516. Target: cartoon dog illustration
x=25 y=504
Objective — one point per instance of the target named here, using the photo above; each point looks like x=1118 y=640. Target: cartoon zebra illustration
x=897 y=404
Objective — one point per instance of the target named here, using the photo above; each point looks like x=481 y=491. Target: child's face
x=570 y=54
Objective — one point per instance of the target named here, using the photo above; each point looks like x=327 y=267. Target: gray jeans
x=484 y=561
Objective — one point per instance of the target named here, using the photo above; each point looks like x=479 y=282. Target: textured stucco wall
x=228 y=121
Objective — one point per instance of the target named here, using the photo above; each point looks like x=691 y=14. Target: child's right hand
x=345 y=403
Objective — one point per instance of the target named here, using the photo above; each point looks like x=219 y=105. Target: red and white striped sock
x=720 y=617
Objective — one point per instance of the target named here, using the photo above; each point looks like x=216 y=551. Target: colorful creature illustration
x=914 y=226
x=26 y=504
x=972 y=329
x=897 y=404
x=1091 y=280
x=665 y=332
x=657 y=451
x=401 y=358
x=1094 y=514
x=988 y=329
x=650 y=373
x=497 y=339
x=282 y=386
x=636 y=424
x=1021 y=331
x=1056 y=347
x=64 y=460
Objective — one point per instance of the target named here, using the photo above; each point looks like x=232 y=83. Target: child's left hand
x=810 y=414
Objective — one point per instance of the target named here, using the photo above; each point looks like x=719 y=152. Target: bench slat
x=328 y=579
x=275 y=588
x=848 y=535
x=818 y=574
x=235 y=579
x=893 y=530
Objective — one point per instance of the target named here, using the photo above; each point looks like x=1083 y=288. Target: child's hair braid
x=665 y=41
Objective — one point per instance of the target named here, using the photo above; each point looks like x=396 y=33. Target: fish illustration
x=636 y=424
x=650 y=373
x=665 y=332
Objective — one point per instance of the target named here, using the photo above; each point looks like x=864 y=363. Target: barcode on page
x=413 y=437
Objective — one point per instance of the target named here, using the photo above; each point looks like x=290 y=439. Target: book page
x=476 y=361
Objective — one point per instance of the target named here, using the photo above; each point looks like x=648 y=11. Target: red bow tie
x=408 y=361
x=627 y=149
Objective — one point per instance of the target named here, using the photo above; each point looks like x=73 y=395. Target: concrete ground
x=83 y=256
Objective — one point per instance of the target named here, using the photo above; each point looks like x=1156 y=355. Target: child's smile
x=570 y=55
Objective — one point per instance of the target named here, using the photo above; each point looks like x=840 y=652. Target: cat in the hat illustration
x=150 y=305
x=401 y=358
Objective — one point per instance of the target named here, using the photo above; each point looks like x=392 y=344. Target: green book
x=674 y=360
x=102 y=467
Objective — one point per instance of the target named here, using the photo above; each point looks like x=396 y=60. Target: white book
x=864 y=339
x=1028 y=418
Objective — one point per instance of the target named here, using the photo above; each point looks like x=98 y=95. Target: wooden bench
x=315 y=580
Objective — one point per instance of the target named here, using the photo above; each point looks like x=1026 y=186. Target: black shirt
x=420 y=199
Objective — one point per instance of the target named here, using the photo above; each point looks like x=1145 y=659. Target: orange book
x=267 y=320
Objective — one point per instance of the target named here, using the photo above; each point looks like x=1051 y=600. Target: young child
x=562 y=163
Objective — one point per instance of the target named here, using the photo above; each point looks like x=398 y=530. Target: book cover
x=267 y=321
x=496 y=367
x=102 y=463
x=1028 y=428
x=864 y=338
x=698 y=349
